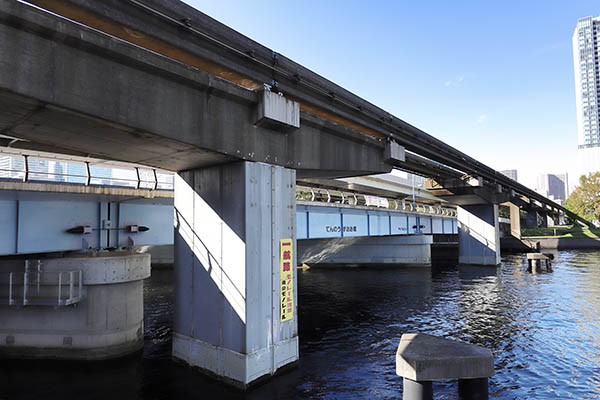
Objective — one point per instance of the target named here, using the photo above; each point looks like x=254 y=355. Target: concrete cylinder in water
x=84 y=306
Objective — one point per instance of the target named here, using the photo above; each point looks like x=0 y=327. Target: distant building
x=554 y=187
x=409 y=179
x=11 y=166
x=511 y=173
x=6 y=168
x=586 y=42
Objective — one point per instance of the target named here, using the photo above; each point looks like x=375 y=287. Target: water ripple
x=543 y=329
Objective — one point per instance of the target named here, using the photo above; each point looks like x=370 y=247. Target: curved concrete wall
x=106 y=322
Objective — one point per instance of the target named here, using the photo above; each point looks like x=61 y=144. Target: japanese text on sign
x=286 y=261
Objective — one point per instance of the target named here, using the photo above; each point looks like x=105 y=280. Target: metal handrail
x=71 y=279
x=147 y=181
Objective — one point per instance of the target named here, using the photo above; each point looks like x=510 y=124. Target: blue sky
x=493 y=79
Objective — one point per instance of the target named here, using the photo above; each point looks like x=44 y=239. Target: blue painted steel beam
x=39 y=226
x=328 y=222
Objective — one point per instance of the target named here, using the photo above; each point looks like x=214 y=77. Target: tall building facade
x=553 y=186
x=586 y=44
x=511 y=173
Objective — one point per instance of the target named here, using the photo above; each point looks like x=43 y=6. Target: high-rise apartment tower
x=553 y=186
x=586 y=42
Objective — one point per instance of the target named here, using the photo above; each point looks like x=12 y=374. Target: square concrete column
x=515 y=220
x=532 y=219
x=230 y=221
x=543 y=220
x=562 y=219
x=478 y=234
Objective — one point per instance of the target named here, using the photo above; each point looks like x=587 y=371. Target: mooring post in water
x=422 y=359
x=417 y=389
x=535 y=261
x=473 y=388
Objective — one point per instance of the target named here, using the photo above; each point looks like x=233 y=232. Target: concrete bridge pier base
x=78 y=307
x=229 y=266
x=414 y=250
x=478 y=234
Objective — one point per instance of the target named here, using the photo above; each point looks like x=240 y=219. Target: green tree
x=585 y=199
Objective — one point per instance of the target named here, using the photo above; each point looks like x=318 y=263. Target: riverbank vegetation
x=562 y=231
x=585 y=199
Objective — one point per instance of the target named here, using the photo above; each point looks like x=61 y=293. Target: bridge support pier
x=229 y=262
x=532 y=220
x=543 y=220
x=79 y=307
x=478 y=234
x=414 y=250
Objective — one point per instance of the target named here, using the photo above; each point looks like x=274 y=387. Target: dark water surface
x=544 y=331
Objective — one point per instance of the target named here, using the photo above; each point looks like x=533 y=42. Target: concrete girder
x=84 y=91
x=518 y=201
x=175 y=30
x=466 y=193
x=535 y=205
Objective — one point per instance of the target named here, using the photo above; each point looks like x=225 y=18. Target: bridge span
x=86 y=205
x=161 y=85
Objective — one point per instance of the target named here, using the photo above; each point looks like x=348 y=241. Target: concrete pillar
x=478 y=234
x=417 y=390
x=562 y=219
x=473 y=389
x=535 y=266
x=531 y=219
x=229 y=270
x=543 y=219
x=515 y=220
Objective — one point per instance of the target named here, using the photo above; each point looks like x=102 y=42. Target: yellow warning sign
x=286 y=259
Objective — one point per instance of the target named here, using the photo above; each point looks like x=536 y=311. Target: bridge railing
x=29 y=168
x=309 y=195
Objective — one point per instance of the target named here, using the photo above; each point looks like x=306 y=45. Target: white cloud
x=454 y=82
x=481 y=118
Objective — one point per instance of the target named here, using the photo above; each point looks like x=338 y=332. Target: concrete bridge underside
x=71 y=89
x=66 y=88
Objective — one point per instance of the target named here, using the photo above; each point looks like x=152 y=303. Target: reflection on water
x=544 y=331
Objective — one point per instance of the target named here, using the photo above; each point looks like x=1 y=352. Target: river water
x=544 y=331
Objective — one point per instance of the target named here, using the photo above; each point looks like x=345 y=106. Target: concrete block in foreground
x=422 y=357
